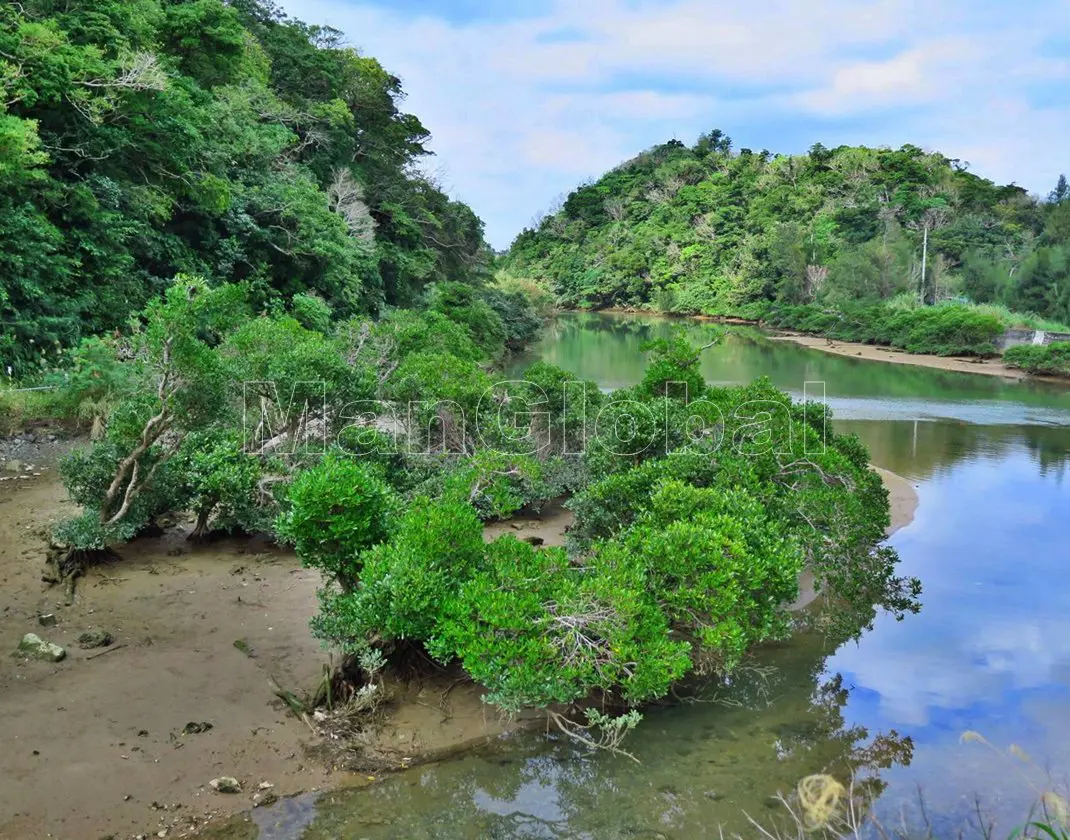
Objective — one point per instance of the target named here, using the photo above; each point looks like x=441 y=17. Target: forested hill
x=709 y=229
x=141 y=138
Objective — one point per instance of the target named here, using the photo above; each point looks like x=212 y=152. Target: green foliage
x=142 y=140
x=560 y=407
x=405 y=582
x=535 y=632
x=463 y=305
x=312 y=312
x=295 y=369
x=717 y=567
x=174 y=384
x=94 y=380
x=87 y=476
x=672 y=369
x=218 y=478
x=519 y=319
x=444 y=399
x=681 y=559
x=705 y=230
x=337 y=509
x=944 y=330
x=403 y=333
x=1042 y=359
x=540 y=298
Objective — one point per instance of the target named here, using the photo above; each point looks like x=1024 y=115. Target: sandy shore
x=902 y=498
x=989 y=367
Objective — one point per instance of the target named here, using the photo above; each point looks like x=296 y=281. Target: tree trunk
x=200 y=530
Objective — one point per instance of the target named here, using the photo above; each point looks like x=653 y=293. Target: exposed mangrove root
x=64 y=565
x=296 y=705
x=600 y=732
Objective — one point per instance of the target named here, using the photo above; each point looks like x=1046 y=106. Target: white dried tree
x=933 y=218
x=137 y=71
x=346 y=198
x=614 y=207
x=704 y=227
x=816 y=275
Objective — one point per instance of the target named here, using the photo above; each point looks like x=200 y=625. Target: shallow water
x=990 y=650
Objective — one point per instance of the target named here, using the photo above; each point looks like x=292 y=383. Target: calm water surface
x=990 y=650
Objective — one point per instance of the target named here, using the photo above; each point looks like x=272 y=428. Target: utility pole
x=924 y=260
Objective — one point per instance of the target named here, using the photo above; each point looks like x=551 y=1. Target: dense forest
x=217 y=246
x=708 y=229
x=143 y=138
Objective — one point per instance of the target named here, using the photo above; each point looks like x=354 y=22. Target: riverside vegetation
x=212 y=214
x=690 y=534
x=210 y=207
x=856 y=243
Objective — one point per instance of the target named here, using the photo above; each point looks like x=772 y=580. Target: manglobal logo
x=520 y=417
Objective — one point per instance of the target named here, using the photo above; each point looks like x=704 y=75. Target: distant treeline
x=708 y=229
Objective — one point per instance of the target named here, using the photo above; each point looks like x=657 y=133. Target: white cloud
x=519 y=115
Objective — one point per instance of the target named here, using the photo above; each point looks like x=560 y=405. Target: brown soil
x=93 y=745
x=989 y=367
x=547 y=527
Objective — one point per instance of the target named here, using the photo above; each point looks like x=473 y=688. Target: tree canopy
x=144 y=138
x=707 y=229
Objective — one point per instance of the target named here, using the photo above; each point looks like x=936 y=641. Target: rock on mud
x=225 y=784
x=94 y=639
x=33 y=646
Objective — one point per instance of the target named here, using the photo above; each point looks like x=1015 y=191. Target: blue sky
x=526 y=99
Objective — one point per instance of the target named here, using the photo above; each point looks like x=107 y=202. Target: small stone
x=162 y=832
x=261 y=800
x=13 y=466
x=94 y=639
x=265 y=786
x=47 y=620
x=225 y=784
x=33 y=646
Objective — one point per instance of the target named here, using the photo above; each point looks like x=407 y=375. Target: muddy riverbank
x=100 y=743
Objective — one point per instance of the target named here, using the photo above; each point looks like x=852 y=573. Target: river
x=989 y=651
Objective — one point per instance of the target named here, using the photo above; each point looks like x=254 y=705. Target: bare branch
x=346 y=198
x=140 y=71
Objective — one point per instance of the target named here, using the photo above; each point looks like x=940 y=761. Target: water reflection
x=990 y=650
x=703 y=766
x=606 y=349
x=920 y=449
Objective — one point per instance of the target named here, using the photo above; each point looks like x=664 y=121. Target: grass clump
x=1041 y=360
